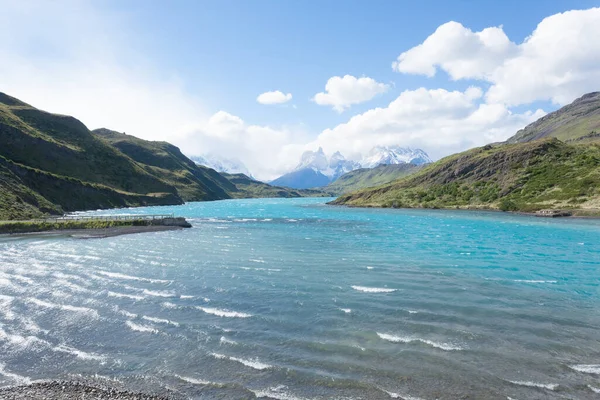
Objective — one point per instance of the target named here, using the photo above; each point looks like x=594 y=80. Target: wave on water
x=159 y=293
x=370 y=267
x=22 y=380
x=160 y=320
x=224 y=313
x=594 y=389
x=183 y=296
x=80 y=354
x=373 y=289
x=248 y=363
x=533 y=281
x=587 y=368
x=275 y=393
x=408 y=339
x=65 y=307
x=549 y=386
x=401 y=397
x=124 y=295
x=71 y=286
x=257 y=260
x=130 y=277
x=5 y=307
x=141 y=328
x=21 y=341
x=346 y=310
x=224 y=340
x=195 y=381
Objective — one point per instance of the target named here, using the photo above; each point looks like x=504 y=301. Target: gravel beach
x=69 y=391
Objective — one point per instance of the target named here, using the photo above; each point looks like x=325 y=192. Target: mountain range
x=51 y=164
x=553 y=163
x=316 y=170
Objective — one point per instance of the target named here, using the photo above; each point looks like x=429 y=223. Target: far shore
x=98 y=233
x=94 y=226
x=596 y=215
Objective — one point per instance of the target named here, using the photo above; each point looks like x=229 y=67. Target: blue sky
x=230 y=51
x=190 y=71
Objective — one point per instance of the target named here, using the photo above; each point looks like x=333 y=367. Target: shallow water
x=293 y=299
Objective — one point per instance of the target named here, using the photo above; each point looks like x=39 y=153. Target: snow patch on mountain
x=332 y=168
x=394 y=155
x=222 y=164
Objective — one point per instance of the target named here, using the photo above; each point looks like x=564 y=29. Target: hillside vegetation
x=578 y=121
x=51 y=164
x=368 y=177
x=528 y=176
x=553 y=163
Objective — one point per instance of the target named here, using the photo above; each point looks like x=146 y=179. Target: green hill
x=368 y=177
x=542 y=174
x=553 y=163
x=51 y=164
x=578 y=121
x=165 y=161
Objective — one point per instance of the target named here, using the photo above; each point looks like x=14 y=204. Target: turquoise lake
x=295 y=299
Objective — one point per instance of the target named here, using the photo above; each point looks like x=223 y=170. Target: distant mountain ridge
x=316 y=170
x=383 y=155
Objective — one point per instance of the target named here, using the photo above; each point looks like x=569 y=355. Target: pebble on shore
x=69 y=391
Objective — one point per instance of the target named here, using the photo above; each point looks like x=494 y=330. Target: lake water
x=294 y=299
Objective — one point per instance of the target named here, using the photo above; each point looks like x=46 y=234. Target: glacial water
x=294 y=299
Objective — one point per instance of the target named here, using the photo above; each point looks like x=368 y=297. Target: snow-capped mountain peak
x=222 y=164
x=317 y=160
x=394 y=155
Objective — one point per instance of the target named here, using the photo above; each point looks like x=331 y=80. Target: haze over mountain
x=222 y=164
x=316 y=170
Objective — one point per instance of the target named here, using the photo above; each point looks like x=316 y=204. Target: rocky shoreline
x=57 y=390
x=104 y=232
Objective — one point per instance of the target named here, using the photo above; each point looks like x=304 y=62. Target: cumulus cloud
x=267 y=152
x=459 y=51
x=439 y=121
x=275 y=97
x=343 y=92
x=559 y=61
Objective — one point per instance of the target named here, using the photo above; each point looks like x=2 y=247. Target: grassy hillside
x=193 y=182
x=578 y=121
x=527 y=176
x=51 y=164
x=165 y=161
x=368 y=177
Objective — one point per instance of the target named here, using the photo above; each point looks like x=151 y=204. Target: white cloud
x=438 y=121
x=78 y=60
x=266 y=151
x=343 y=92
x=459 y=51
x=276 y=97
x=559 y=61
